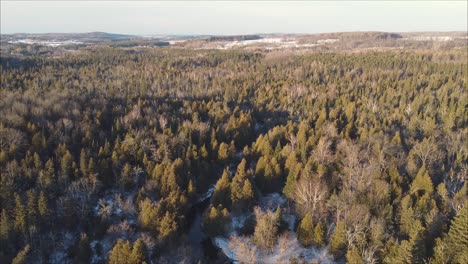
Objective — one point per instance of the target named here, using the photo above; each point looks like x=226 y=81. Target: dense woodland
x=105 y=152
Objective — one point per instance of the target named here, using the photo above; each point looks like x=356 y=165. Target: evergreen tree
x=241 y=188
x=222 y=192
x=32 y=208
x=47 y=176
x=338 y=240
x=223 y=152
x=66 y=167
x=248 y=195
x=5 y=230
x=319 y=235
x=215 y=221
x=457 y=239
x=353 y=256
x=83 y=163
x=422 y=182
x=43 y=208
x=305 y=230
x=405 y=255
x=139 y=254
x=441 y=255
x=20 y=215
x=167 y=227
x=148 y=215
x=120 y=253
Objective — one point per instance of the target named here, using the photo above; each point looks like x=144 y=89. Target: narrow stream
x=202 y=245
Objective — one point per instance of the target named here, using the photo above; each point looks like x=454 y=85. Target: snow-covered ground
x=274 y=43
x=326 y=41
x=287 y=244
x=430 y=38
x=287 y=247
x=207 y=195
x=51 y=43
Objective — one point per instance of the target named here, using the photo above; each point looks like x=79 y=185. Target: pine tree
x=291 y=180
x=47 y=176
x=305 y=230
x=352 y=256
x=43 y=208
x=191 y=191
x=83 y=163
x=338 y=241
x=120 y=253
x=240 y=172
x=125 y=177
x=66 y=167
x=457 y=239
x=215 y=221
x=319 y=235
x=441 y=255
x=222 y=192
x=20 y=215
x=5 y=229
x=247 y=193
x=139 y=254
x=422 y=182
x=148 y=215
x=37 y=162
x=405 y=255
x=223 y=152
x=167 y=227
x=32 y=212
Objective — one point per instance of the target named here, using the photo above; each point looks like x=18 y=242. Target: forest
x=167 y=155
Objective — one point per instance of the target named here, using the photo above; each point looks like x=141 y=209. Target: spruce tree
x=338 y=241
x=139 y=253
x=422 y=182
x=223 y=152
x=43 y=208
x=5 y=230
x=120 y=253
x=222 y=192
x=20 y=215
x=167 y=227
x=148 y=215
x=319 y=235
x=305 y=230
x=457 y=239
x=353 y=256
x=32 y=208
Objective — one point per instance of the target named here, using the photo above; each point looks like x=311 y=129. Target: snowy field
x=240 y=249
x=274 y=43
x=50 y=43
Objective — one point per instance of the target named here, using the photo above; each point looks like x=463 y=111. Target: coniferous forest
x=165 y=155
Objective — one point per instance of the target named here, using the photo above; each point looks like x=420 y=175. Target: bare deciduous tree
x=322 y=152
x=245 y=250
x=310 y=195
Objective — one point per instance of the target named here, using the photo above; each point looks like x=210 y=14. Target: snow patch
x=207 y=195
x=50 y=43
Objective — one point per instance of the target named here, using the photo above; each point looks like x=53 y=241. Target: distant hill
x=234 y=38
x=83 y=37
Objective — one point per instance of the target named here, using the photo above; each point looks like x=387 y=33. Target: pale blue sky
x=224 y=17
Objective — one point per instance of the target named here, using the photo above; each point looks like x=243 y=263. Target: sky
x=229 y=17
